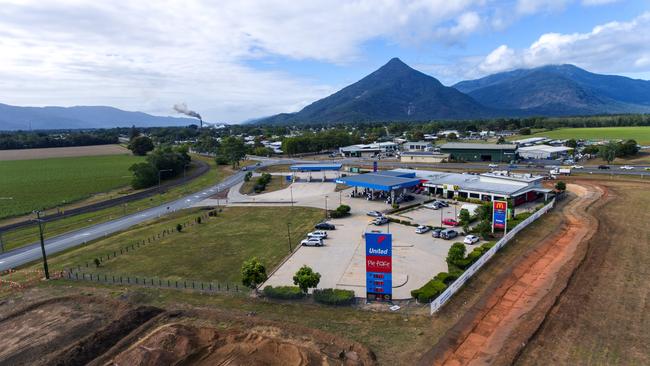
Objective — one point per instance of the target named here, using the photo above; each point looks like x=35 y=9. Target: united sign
x=379 y=266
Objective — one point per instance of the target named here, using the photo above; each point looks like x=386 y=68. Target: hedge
x=283 y=292
x=429 y=291
x=332 y=296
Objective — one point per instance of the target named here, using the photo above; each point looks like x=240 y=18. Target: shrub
x=198 y=220
x=336 y=214
x=456 y=253
x=283 y=292
x=248 y=176
x=179 y=227
x=429 y=291
x=253 y=273
x=343 y=208
x=306 y=278
x=97 y=262
x=332 y=296
x=259 y=188
x=461 y=199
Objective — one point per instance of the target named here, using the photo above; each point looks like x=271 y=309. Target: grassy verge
x=212 y=250
x=27 y=235
x=277 y=183
x=281 y=168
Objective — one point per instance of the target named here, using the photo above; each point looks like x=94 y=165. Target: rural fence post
x=192 y=284
x=176 y=284
x=184 y=284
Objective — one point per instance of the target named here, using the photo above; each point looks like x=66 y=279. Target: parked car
x=324 y=226
x=450 y=222
x=443 y=204
x=603 y=167
x=374 y=213
x=577 y=166
x=380 y=220
x=432 y=205
x=436 y=233
x=471 y=239
x=627 y=167
x=493 y=165
x=321 y=234
x=421 y=229
x=312 y=242
x=448 y=234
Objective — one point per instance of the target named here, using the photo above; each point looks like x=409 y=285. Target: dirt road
x=517 y=307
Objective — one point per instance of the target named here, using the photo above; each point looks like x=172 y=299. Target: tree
x=456 y=253
x=572 y=143
x=452 y=136
x=501 y=140
x=560 y=186
x=484 y=228
x=253 y=273
x=141 y=145
x=144 y=175
x=306 y=278
x=97 y=262
x=233 y=149
x=133 y=133
x=179 y=227
x=628 y=148
x=464 y=218
x=525 y=131
x=608 y=151
x=262 y=151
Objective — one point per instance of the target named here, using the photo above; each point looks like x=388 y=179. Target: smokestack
x=182 y=108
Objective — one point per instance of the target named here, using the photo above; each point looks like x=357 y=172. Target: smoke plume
x=182 y=108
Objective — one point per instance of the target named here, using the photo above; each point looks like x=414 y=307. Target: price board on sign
x=379 y=266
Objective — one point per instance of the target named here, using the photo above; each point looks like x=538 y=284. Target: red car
x=450 y=222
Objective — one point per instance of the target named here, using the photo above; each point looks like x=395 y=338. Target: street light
x=325 y=207
x=289 y=236
x=40 y=231
x=160 y=171
x=291 y=192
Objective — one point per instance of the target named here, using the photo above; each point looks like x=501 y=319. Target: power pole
x=2 y=244
x=40 y=231
x=289 y=236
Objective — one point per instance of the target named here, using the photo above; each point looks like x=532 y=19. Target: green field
x=640 y=134
x=27 y=185
x=211 y=251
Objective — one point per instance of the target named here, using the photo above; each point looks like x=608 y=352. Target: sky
x=232 y=61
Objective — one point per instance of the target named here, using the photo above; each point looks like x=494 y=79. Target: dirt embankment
x=514 y=310
x=89 y=330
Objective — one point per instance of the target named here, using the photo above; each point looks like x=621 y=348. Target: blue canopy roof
x=378 y=181
x=315 y=167
x=396 y=173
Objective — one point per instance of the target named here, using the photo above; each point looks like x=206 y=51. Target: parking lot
x=341 y=261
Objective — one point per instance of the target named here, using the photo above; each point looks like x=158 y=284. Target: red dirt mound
x=183 y=344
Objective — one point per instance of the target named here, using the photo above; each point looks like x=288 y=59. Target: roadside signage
x=379 y=266
x=374 y=166
x=499 y=214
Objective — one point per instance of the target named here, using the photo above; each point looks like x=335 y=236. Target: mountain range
x=397 y=92
x=42 y=118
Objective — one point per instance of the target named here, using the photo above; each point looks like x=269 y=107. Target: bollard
x=201 y=286
x=105 y=278
x=120 y=279
x=136 y=280
x=128 y=279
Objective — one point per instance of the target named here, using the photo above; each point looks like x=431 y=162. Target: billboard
x=499 y=214
x=379 y=266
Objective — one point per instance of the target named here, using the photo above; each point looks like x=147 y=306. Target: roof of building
x=485 y=183
x=424 y=153
x=378 y=181
x=395 y=173
x=470 y=146
x=420 y=142
x=531 y=140
x=367 y=147
x=315 y=167
x=545 y=148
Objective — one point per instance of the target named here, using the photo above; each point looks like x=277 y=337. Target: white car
x=471 y=239
x=312 y=242
x=421 y=229
x=493 y=165
x=380 y=220
x=577 y=166
x=321 y=234
x=627 y=167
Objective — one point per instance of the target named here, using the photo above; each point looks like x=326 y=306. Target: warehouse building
x=520 y=188
x=480 y=152
x=368 y=150
x=543 y=152
x=422 y=157
x=418 y=146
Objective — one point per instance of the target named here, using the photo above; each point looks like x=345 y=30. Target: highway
x=32 y=252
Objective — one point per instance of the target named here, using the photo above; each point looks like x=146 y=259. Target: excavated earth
x=93 y=330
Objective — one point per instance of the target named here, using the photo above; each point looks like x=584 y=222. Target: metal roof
x=396 y=173
x=545 y=148
x=315 y=167
x=467 y=146
x=469 y=182
x=378 y=181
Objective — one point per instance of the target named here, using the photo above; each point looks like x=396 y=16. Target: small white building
x=369 y=150
x=543 y=152
x=418 y=146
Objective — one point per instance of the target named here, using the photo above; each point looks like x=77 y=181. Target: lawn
x=640 y=134
x=277 y=183
x=27 y=185
x=211 y=251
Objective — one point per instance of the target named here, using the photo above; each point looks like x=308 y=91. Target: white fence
x=456 y=285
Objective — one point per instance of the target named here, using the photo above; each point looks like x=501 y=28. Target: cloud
x=148 y=56
x=614 y=47
x=597 y=2
x=534 y=6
